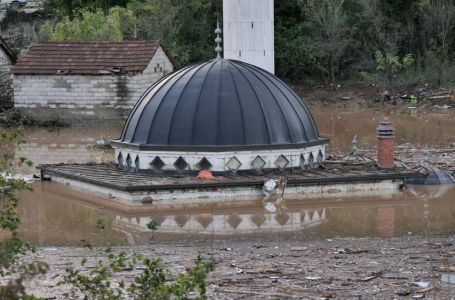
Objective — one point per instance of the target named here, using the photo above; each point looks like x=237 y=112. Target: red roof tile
x=87 y=58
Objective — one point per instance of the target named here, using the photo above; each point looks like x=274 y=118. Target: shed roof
x=98 y=58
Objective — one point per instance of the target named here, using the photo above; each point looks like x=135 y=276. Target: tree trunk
x=331 y=70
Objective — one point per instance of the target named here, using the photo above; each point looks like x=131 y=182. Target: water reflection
x=54 y=215
x=341 y=125
x=69 y=145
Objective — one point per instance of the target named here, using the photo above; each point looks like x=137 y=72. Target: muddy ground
x=293 y=267
x=370 y=95
x=290 y=267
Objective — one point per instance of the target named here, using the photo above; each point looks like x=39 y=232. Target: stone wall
x=83 y=98
x=5 y=82
x=20 y=29
x=5 y=63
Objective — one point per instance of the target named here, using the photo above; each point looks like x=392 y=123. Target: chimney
x=386 y=145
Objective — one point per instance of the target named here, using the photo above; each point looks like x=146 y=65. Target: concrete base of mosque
x=156 y=162
x=136 y=189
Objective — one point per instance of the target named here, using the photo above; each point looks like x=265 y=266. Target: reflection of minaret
x=386 y=221
x=248 y=27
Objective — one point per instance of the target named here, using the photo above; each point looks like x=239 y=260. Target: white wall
x=248 y=27
x=79 y=96
x=219 y=160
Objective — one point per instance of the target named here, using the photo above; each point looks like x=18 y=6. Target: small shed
x=78 y=82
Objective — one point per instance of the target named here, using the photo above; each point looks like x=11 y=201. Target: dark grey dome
x=219 y=105
x=431 y=176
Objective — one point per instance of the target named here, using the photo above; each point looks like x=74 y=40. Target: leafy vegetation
x=92 y=26
x=326 y=40
x=154 y=282
x=11 y=245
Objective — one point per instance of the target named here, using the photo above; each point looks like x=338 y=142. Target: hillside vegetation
x=316 y=40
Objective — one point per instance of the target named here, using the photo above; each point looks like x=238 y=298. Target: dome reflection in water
x=58 y=216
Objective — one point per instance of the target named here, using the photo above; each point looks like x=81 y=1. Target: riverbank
x=288 y=267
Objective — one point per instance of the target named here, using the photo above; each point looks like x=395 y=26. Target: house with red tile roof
x=79 y=82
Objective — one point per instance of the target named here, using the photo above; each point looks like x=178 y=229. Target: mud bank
x=290 y=267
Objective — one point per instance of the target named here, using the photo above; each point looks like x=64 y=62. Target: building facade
x=77 y=82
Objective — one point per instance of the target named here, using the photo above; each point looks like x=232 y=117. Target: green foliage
x=90 y=26
x=153 y=283
x=12 y=246
x=315 y=39
x=71 y=7
x=389 y=65
x=330 y=34
x=152 y=225
x=185 y=27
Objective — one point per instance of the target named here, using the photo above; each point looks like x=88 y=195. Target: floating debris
x=448 y=278
x=431 y=176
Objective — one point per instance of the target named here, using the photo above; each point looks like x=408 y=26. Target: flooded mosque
x=227 y=114
x=230 y=120
x=222 y=115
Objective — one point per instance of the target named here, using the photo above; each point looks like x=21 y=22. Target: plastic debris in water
x=448 y=278
x=101 y=142
x=269 y=186
x=270 y=207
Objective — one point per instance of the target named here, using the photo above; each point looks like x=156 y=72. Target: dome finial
x=218 y=40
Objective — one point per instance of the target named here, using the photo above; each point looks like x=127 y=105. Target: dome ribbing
x=220 y=105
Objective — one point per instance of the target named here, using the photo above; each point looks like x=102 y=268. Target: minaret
x=248 y=27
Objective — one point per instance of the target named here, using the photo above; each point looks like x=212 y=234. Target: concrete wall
x=5 y=63
x=20 y=29
x=6 y=92
x=248 y=27
x=81 y=98
x=221 y=161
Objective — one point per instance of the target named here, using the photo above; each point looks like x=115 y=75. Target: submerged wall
x=77 y=99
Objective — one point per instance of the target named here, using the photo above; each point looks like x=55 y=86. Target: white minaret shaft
x=248 y=27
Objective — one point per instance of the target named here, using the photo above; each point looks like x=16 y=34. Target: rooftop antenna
x=218 y=40
x=426 y=155
x=354 y=145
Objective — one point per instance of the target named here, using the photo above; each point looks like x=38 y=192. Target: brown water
x=55 y=215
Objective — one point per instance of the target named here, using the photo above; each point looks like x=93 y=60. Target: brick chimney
x=386 y=145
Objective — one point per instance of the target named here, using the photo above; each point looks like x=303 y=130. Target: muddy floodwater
x=55 y=215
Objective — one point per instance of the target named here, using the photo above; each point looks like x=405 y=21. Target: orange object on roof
x=205 y=175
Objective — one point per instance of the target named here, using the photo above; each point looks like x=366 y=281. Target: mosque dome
x=220 y=105
x=426 y=175
x=222 y=115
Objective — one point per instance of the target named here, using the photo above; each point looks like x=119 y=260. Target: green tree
x=185 y=27
x=92 y=26
x=11 y=245
x=69 y=8
x=439 y=23
x=389 y=65
x=292 y=49
x=331 y=33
